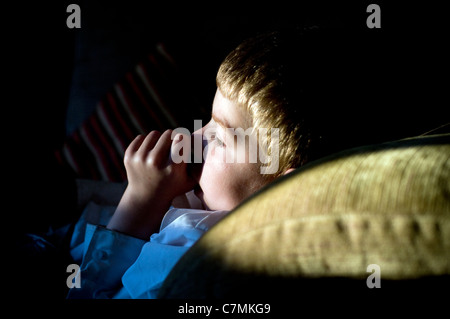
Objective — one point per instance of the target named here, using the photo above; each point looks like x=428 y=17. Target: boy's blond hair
x=313 y=85
x=260 y=75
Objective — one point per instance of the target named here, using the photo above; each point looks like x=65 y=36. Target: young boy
x=259 y=87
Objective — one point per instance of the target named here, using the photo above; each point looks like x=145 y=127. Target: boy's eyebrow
x=224 y=123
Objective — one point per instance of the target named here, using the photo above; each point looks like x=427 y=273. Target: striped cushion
x=143 y=101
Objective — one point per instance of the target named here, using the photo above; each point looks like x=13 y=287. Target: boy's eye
x=218 y=140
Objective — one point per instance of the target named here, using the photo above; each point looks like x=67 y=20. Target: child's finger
x=178 y=138
x=134 y=146
x=180 y=149
x=160 y=152
x=148 y=144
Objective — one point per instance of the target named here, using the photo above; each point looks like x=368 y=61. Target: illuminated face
x=227 y=179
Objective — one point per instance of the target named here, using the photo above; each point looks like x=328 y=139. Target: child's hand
x=150 y=170
x=153 y=182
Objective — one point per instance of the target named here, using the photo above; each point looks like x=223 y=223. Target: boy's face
x=227 y=179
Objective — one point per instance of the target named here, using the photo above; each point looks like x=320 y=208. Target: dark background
x=62 y=73
x=57 y=75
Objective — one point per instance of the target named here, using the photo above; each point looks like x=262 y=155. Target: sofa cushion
x=386 y=205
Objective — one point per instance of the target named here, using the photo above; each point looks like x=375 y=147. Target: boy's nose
x=199 y=131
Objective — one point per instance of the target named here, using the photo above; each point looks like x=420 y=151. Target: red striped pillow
x=143 y=101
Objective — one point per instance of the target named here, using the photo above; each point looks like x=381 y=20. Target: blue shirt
x=115 y=265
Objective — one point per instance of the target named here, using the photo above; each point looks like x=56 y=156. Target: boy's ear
x=289 y=170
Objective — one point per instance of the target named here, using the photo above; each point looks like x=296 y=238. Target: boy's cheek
x=214 y=155
x=213 y=180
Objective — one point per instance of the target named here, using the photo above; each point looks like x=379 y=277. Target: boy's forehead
x=229 y=114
